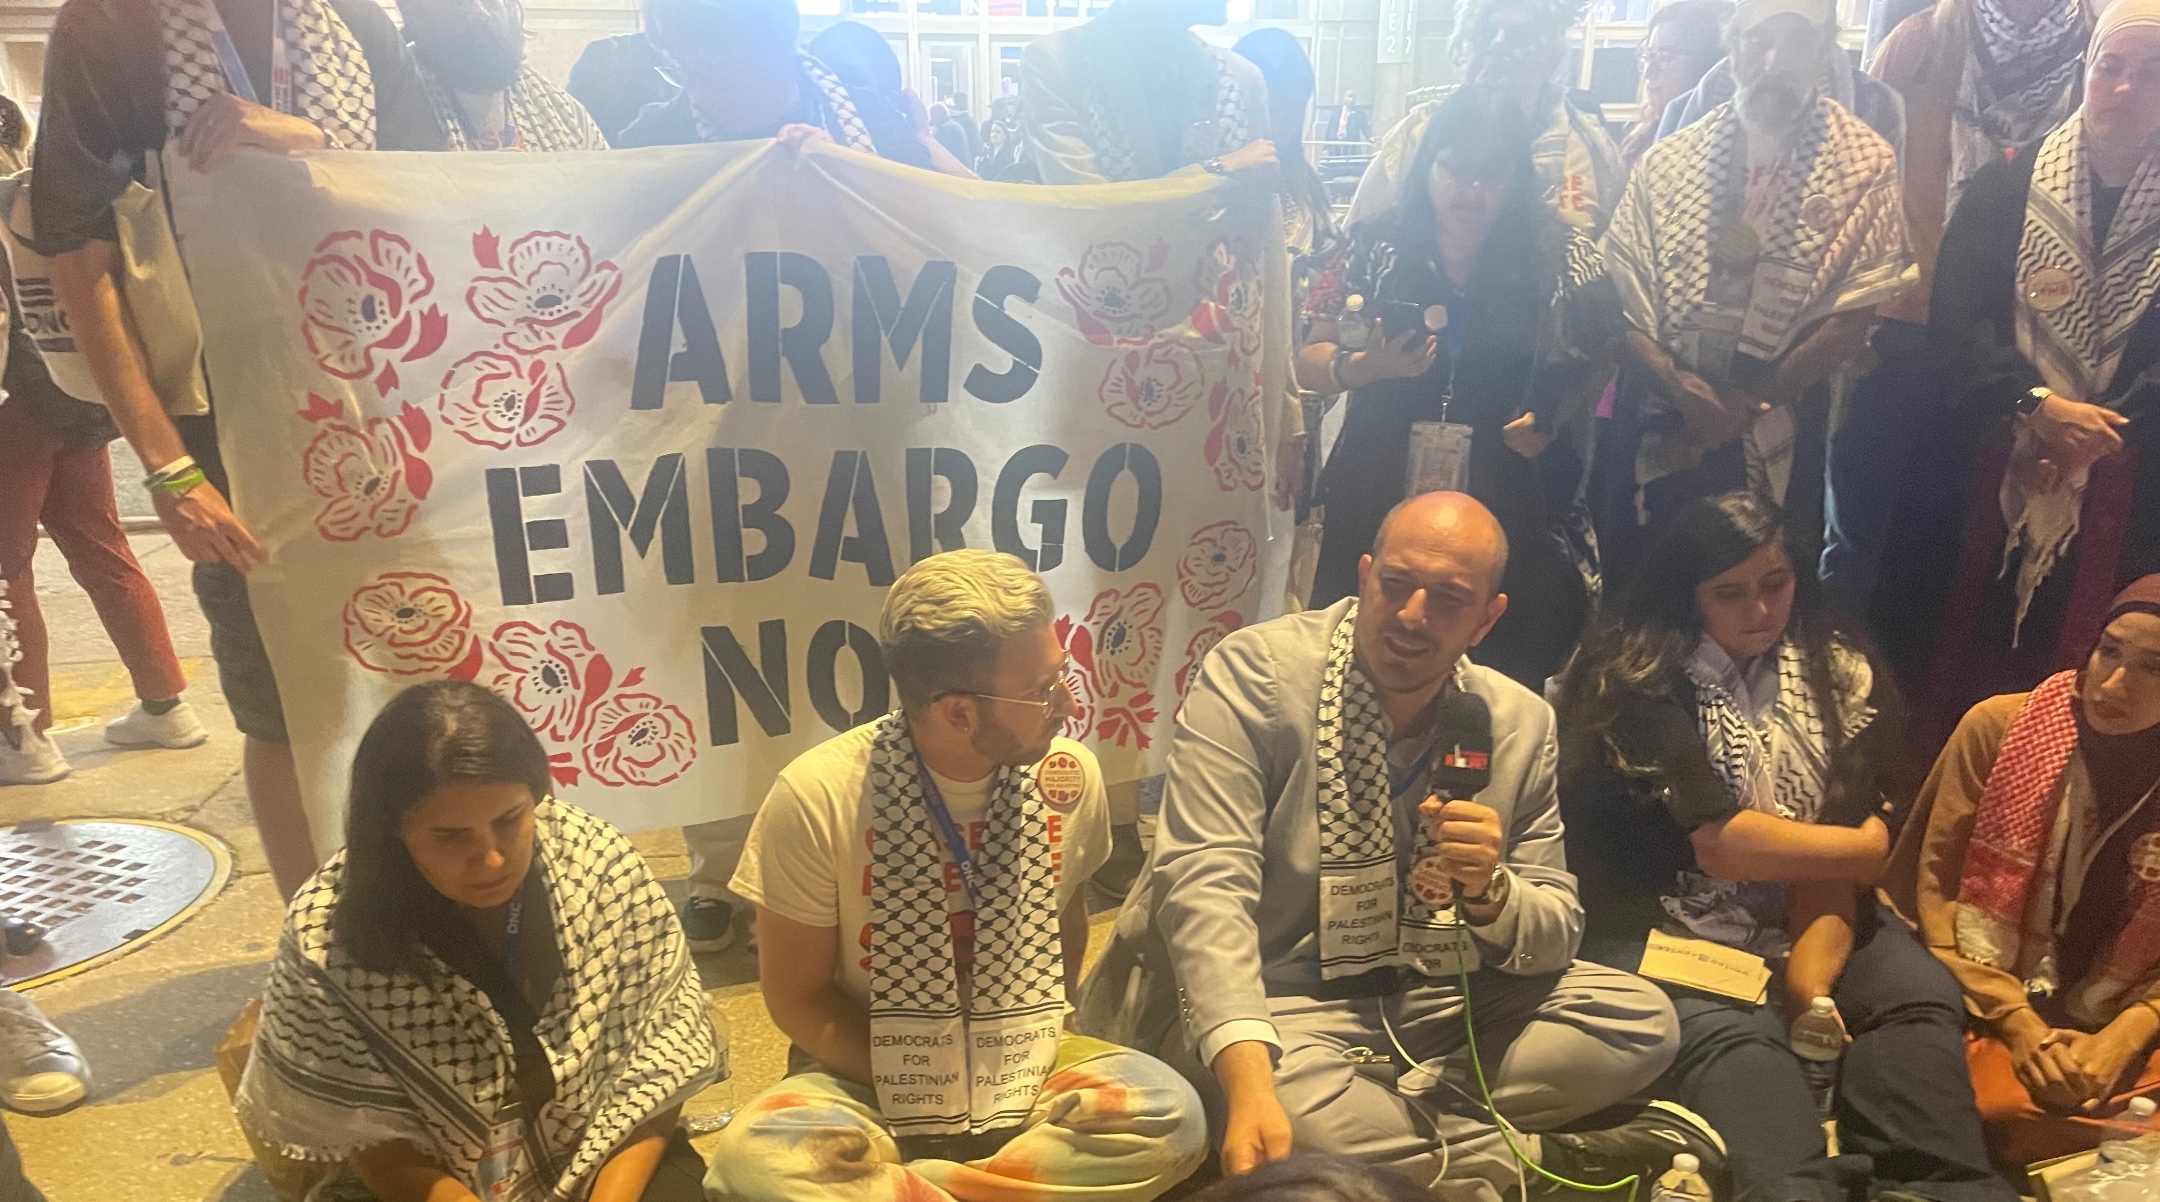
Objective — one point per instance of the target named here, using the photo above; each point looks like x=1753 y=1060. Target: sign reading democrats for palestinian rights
x=638 y=439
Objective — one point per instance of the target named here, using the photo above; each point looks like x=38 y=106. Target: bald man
x=1295 y=945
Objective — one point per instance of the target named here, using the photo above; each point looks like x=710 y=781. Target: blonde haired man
x=921 y=923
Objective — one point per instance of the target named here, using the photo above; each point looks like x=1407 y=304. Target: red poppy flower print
x=496 y=400
x=555 y=677
x=1080 y=678
x=551 y=295
x=1234 y=444
x=1126 y=629
x=359 y=307
x=1117 y=292
x=1219 y=565
x=1230 y=310
x=1152 y=386
x=1128 y=720
x=371 y=478
x=638 y=739
x=1203 y=640
x=409 y=624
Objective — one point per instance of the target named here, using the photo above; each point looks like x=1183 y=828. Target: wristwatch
x=1494 y=887
x=2029 y=403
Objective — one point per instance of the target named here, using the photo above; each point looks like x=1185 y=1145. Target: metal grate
x=96 y=887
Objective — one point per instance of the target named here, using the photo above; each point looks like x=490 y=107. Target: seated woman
x=2029 y=865
x=1724 y=752
x=1495 y=319
x=485 y=994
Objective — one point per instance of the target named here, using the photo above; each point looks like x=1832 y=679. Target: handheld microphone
x=1462 y=746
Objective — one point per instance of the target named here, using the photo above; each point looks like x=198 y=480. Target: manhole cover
x=99 y=888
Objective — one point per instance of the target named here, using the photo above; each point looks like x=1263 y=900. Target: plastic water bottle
x=716 y=1107
x=1683 y=1182
x=2129 y=1165
x=1818 y=1039
x=1353 y=332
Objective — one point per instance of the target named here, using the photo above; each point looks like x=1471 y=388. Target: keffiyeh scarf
x=331 y=83
x=2017 y=82
x=2076 y=305
x=544 y=117
x=346 y=1058
x=1367 y=919
x=2037 y=817
x=942 y=1069
x=836 y=110
x=1836 y=243
x=1226 y=128
x=1774 y=756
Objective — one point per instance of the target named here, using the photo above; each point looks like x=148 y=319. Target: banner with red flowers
x=638 y=439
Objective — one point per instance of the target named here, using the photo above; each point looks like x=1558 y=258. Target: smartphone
x=1399 y=317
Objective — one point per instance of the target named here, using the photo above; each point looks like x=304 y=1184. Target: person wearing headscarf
x=1515 y=46
x=1135 y=94
x=1682 y=41
x=1979 y=79
x=1750 y=252
x=2031 y=865
x=1514 y=322
x=471 y=55
x=2042 y=316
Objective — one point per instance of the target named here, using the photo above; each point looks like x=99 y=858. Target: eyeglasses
x=1063 y=685
x=1658 y=60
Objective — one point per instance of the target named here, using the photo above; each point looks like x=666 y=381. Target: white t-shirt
x=808 y=856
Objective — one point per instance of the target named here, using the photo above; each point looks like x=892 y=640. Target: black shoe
x=709 y=924
x=1643 y=1146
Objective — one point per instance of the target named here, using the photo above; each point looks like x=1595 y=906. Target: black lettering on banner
x=674 y=300
x=662 y=509
x=1007 y=334
x=881 y=318
x=851 y=489
x=725 y=468
x=946 y=528
x=729 y=674
x=507 y=487
x=1048 y=515
x=1095 y=508
x=799 y=344
x=824 y=665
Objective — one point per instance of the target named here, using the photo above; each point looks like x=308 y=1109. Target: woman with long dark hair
x=1493 y=317
x=485 y=993
x=1726 y=767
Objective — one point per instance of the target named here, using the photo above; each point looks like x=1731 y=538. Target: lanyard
x=934 y=801
x=1417 y=771
x=513 y=948
x=236 y=76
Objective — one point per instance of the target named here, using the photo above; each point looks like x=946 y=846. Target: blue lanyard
x=236 y=76
x=1417 y=773
x=934 y=801
x=513 y=948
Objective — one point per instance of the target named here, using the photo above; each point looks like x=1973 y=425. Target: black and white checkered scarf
x=332 y=85
x=2078 y=345
x=346 y=1058
x=1357 y=815
x=2017 y=81
x=836 y=110
x=1019 y=964
x=547 y=118
x=1226 y=129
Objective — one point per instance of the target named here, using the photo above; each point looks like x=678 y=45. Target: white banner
x=638 y=438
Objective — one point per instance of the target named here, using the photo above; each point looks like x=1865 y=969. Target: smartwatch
x=2030 y=401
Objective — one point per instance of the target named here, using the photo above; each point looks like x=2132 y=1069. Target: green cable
x=1630 y=1182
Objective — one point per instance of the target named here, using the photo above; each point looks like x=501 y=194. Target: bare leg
x=273 y=785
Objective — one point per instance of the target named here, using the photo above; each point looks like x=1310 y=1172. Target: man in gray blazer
x=1294 y=945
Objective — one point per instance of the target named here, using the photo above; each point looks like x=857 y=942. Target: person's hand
x=1524 y=438
x=1289 y=470
x=205 y=528
x=225 y=123
x=795 y=138
x=2077 y=434
x=1875 y=834
x=2044 y=1061
x=1470 y=840
x=2105 y=1058
x=1389 y=357
x=1256 y=1132
x=1252 y=163
x=1712 y=421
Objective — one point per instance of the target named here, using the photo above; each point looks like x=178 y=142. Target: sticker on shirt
x=1439 y=458
x=1819 y=213
x=1430 y=883
x=2049 y=288
x=1061 y=780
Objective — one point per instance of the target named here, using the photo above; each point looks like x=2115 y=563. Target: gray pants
x=1555 y=1048
x=715 y=849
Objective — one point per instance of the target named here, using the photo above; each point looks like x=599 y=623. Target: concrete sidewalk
x=157 y=1126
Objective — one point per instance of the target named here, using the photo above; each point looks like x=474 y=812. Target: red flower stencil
x=638 y=739
x=1234 y=446
x=551 y=295
x=1219 y=565
x=554 y=677
x=1126 y=630
x=371 y=477
x=1117 y=293
x=411 y=624
x=499 y=400
x=1203 y=640
x=359 y=307
x=1150 y=387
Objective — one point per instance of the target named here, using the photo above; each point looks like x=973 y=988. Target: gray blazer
x=1227 y=913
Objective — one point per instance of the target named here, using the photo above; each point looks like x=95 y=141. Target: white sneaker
x=176 y=728
x=37 y=762
x=41 y=1069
